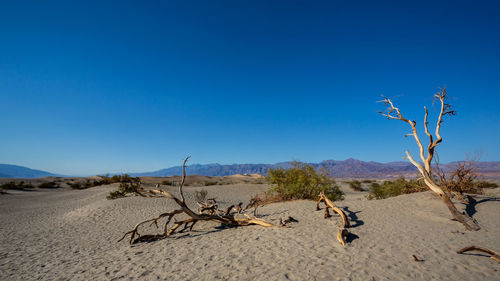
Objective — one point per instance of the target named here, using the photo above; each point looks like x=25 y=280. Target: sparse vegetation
x=200 y=195
x=394 y=188
x=170 y=183
x=302 y=182
x=367 y=181
x=103 y=180
x=208 y=183
x=487 y=184
x=127 y=185
x=355 y=185
x=463 y=179
x=17 y=186
x=50 y=184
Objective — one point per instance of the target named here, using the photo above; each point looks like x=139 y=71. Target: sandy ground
x=66 y=234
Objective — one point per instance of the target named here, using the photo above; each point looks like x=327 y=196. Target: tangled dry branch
x=207 y=211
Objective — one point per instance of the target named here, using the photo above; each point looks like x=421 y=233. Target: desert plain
x=68 y=234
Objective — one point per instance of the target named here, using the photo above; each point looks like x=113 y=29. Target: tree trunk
x=463 y=218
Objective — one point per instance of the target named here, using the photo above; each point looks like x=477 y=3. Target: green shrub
x=487 y=184
x=115 y=195
x=171 y=183
x=18 y=186
x=75 y=185
x=129 y=187
x=302 y=182
x=355 y=185
x=124 y=188
x=368 y=181
x=394 y=188
x=50 y=184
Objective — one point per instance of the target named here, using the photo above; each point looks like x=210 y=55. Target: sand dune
x=71 y=234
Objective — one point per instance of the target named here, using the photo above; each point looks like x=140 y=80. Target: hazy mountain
x=350 y=168
x=14 y=171
x=211 y=170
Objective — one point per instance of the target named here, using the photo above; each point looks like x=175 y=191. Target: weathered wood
x=329 y=204
x=342 y=233
x=342 y=236
x=493 y=255
x=425 y=168
x=223 y=217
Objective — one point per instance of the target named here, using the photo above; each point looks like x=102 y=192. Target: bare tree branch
x=393 y=112
x=226 y=217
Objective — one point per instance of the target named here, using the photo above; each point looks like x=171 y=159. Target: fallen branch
x=493 y=255
x=342 y=236
x=342 y=233
x=214 y=214
x=329 y=204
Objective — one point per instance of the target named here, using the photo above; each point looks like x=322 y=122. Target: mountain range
x=14 y=171
x=350 y=168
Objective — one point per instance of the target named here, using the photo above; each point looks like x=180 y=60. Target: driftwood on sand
x=493 y=255
x=206 y=213
x=342 y=233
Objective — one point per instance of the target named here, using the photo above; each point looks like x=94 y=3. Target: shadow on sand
x=355 y=221
x=470 y=208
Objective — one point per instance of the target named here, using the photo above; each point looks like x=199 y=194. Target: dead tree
x=226 y=218
x=342 y=233
x=424 y=168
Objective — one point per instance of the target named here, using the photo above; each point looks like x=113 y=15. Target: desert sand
x=65 y=234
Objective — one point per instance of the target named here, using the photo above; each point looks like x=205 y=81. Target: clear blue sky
x=88 y=87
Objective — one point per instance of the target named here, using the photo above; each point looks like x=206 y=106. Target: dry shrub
x=18 y=186
x=394 y=188
x=128 y=185
x=201 y=195
x=463 y=179
x=264 y=198
x=355 y=185
x=49 y=185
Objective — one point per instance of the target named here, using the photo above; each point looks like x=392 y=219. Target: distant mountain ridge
x=14 y=171
x=349 y=168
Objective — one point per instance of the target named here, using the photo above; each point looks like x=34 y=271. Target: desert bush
x=262 y=199
x=166 y=182
x=75 y=185
x=355 y=185
x=129 y=187
x=50 y=184
x=200 y=195
x=487 y=184
x=115 y=195
x=367 y=181
x=125 y=188
x=18 y=186
x=394 y=188
x=463 y=179
x=302 y=182
x=208 y=183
